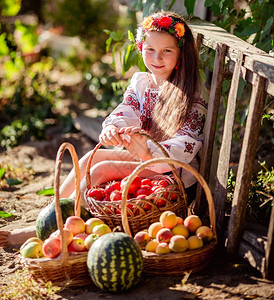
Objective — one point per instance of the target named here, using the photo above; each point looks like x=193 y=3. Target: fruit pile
x=79 y=236
x=140 y=188
x=173 y=234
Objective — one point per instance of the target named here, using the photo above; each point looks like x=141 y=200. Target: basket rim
x=173 y=255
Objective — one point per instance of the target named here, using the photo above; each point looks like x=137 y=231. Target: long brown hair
x=178 y=92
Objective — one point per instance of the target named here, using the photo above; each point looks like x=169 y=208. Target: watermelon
x=46 y=221
x=115 y=262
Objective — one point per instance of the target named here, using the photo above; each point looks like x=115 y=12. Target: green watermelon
x=115 y=262
x=46 y=221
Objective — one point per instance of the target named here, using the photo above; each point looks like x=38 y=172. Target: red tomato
x=146 y=206
x=160 y=202
x=143 y=190
x=115 y=195
x=146 y=181
x=163 y=183
x=115 y=185
x=136 y=183
x=96 y=193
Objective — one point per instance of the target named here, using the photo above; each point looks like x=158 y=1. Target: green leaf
x=266 y=30
x=107 y=31
x=46 y=192
x=13 y=181
x=116 y=35
x=150 y=6
x=2 y=172
x=108 y=43
x=10 y=8
x=131 y=36
x=189 y=4
x=171 y=4
x=4 y=49
x=4 y=214
x=252 y=28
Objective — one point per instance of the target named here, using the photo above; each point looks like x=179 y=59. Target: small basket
x=174 y=263
x=138 y=217
x=66 y=269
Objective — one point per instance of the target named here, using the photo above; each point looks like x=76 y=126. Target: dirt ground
x=224 y=278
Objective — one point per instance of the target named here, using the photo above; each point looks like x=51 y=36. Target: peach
x=180 y=220
x=162 y=248
x=180 y=230
x=75 y=224
x=205 y=233
x=101 y=229
x=90 y=223
x=168 y=219
x=178 y=243
x=194 y=242
x=154 y=228
x=164 y=235
x=192 y=223
x=151 y=246
x=142 y=238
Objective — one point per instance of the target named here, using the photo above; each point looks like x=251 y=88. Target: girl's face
x=160 y=54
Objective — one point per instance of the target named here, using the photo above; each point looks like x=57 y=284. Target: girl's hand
x=110 y=136
x=136 y=144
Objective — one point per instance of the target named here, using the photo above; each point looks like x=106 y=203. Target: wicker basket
x=138 y=217
x=175 y=263
x=67 y=269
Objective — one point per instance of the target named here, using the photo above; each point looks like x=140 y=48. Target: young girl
x=164 y=102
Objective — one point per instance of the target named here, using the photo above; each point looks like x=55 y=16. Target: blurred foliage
x=85 y=18
x=261 y=194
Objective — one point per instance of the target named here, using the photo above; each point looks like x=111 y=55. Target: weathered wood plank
x=269 y=252
x=212 y=114
x=248 y=252
x=255 y=59
x=240 y=197
x=224 y=157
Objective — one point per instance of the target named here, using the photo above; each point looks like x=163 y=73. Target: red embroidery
x=189 y=147
x=131 y=100
x=167 y=146
x=194 y=123
x=151 y=97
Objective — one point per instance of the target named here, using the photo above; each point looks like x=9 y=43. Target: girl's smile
x=160 y=53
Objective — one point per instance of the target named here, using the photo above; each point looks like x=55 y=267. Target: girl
x=165 y=102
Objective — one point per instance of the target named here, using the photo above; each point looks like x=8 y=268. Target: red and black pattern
x=131 y=100
x=189 y=147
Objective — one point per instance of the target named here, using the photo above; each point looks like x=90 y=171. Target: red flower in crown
x=164 y=22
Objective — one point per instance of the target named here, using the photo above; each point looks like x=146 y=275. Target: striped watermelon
x=115 y=262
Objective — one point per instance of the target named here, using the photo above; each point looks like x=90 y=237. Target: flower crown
x=166 y=23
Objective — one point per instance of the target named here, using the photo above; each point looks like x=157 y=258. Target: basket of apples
x=174 y=245
x=62 y=257
x=146 y=199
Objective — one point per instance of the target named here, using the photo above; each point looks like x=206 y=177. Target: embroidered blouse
x=136 y=110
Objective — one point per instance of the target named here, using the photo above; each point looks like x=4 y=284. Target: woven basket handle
x=77 y=208
x=174 y=171
x=174 y=162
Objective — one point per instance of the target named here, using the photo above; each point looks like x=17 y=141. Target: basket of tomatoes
x=147 y=198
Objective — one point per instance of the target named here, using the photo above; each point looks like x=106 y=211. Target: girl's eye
x=149 y=49
x=167 y=50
